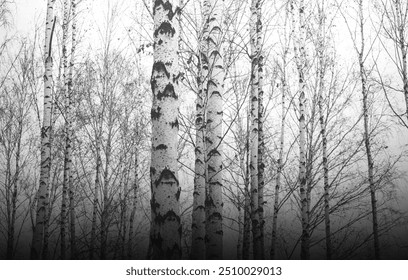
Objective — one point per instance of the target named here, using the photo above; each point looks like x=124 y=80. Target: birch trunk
x=403 y=45
x=67 y=158
x=300 y=57
x=198 y=218
x=165 y=231
x=321 y=72
x=213 y=203
x=254 y=139
x=261 y=144
x=280 y=162
x=367 y=140
x=247 y=198
x=70 y=91
x=39 y=234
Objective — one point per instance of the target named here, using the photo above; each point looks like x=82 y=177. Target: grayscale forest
x=203 y=129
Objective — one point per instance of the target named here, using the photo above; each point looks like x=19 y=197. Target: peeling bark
x=213 y=202
x=198 y=216
x=254 y=138
x=165 y=231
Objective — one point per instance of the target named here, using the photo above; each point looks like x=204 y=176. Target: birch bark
x=198 y=218
x=70 y=92
x=322 y=120
x=39 y=234
x=254 y=138
x=213 y=203
x=67 y=156
x=247 y=196
x=280 y=160
x=300 y=57
x=261 y=144
x=165 y=232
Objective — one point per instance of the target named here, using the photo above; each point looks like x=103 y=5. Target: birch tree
x=67 y=159
x=198 y=218
x=261 y=141
x=300 y=59
x=280 y=163
x=362 y=55
x=16 y=149
x=70 y=96
x=256 y=113
x=214 y=133
x=39 y=234
x=322 y=65
x=165 y=232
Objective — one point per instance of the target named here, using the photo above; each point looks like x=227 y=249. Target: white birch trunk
x=300 y=57
x=403 y=45
x=322 y=120
x=280 y=161
x=67 y=158
x=198 y=218
x=246 y=242
x=39 y=234
x=261 y=144
x=214 y=204
x=254 y=138
x=70 y=92
x=165 y=232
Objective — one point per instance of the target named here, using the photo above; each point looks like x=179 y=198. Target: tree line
x=213 y=129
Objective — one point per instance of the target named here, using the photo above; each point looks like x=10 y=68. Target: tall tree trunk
x=300 y=57
x=367 y=140
x=67 y=158
x=213 y=203
x=403 y=45
x=70 y=90
x=254 y=139
x=165 y=231
x=198 y=216
x=39 y=234
x=280 y=162
x=246 y=242
x=261 y=144
x=321 y=72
